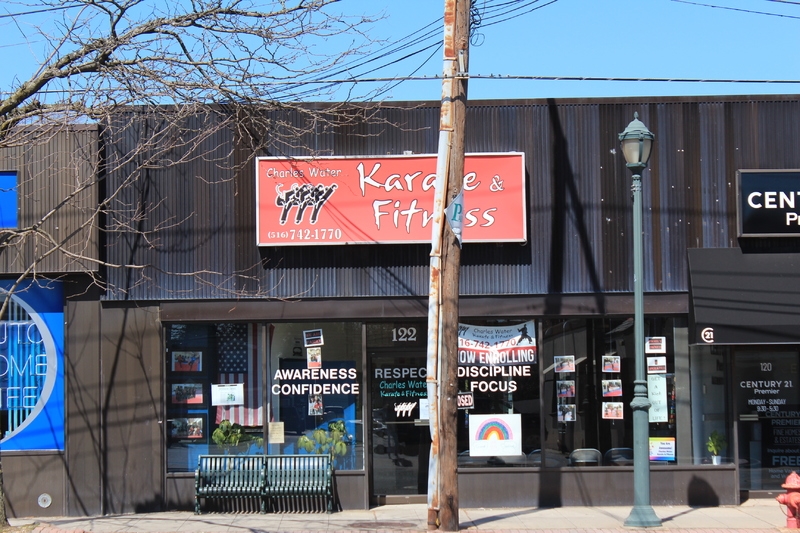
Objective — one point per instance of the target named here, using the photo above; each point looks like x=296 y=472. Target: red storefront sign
x=383 y=200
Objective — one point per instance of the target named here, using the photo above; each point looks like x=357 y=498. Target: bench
x=295 y=483
x=230 y=478
x=285 y=483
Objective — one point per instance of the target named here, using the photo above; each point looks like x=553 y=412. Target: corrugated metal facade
x=57 y=190
x=578 y=202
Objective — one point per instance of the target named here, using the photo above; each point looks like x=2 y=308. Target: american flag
x=238 y=362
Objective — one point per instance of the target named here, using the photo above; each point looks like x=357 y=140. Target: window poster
x=657 y=394
x=187 y=361
x=489 y=355
x=564 y=363
x=232 y=394
x=277 y=433
x=187 y=394
x=655 y=345
x=611 y=363
x=612 y=387
x=662 y=448
x=497 y=345
x=657 y=365
x=424 y=409
x=187 y=429
x=495 y=435
x=566 y=389
x=313 y=337
x=612 y=410
x=566 y=413
x=315 y=405
x=314 y=357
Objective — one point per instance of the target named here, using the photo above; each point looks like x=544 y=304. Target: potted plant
x=232 y=437
x=333 y=441
x=716 y=443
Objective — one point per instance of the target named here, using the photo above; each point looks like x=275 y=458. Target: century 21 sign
x=376 y=200
x=768 y=203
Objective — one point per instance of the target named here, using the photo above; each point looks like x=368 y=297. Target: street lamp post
x=637 y=142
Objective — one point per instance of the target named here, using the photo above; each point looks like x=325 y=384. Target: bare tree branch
x=167 y=77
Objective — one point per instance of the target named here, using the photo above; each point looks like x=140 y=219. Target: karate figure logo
x=303 y=197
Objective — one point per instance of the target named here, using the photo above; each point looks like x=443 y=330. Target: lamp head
x=637 y=141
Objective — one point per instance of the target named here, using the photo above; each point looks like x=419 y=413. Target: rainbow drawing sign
x=495 y=435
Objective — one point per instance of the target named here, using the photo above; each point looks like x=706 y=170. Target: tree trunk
x=3 y=517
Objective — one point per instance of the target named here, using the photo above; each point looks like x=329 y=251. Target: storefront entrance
x=399 y=437
x=768 y=412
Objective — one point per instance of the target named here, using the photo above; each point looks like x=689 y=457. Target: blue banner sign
x=32 y=367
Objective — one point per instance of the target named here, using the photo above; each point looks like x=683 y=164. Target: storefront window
x=544 y=394
x=214 y=392
x=660 y=351
x=571 y=394
x=709 y=368
x=588 y=371
x=499 y=372
x=315 y=373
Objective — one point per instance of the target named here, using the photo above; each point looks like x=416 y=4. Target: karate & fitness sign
x=383 y=200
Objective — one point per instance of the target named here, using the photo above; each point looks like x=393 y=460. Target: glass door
x=768 y=409
x=400 y=438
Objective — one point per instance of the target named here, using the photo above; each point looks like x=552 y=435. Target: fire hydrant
x=791 y=499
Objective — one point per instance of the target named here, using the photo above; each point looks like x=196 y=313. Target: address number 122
x=404 y=334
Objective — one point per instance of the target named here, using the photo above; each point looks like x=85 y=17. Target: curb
x=46 y=528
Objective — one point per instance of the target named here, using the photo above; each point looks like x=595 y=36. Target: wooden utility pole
x=445 y=267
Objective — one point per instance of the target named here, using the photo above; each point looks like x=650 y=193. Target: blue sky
x=612 y=38
x=707 y=39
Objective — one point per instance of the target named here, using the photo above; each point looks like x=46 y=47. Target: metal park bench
x=299 y=483
x=284 y=483
x=230 y=478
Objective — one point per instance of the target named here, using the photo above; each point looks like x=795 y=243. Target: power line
x=516 y=10
x=391 y=87
x=509 y=77
x=751 y=11
x=591 y=78
x=425 y=39
x=422 y=43
x=430 y=38
x=34 y=12
x=544 y=78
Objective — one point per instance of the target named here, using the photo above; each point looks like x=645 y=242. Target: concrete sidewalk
x=752 y=516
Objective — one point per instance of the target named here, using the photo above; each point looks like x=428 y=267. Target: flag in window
x=238 y=362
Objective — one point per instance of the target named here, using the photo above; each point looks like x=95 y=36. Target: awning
x=739 y=298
